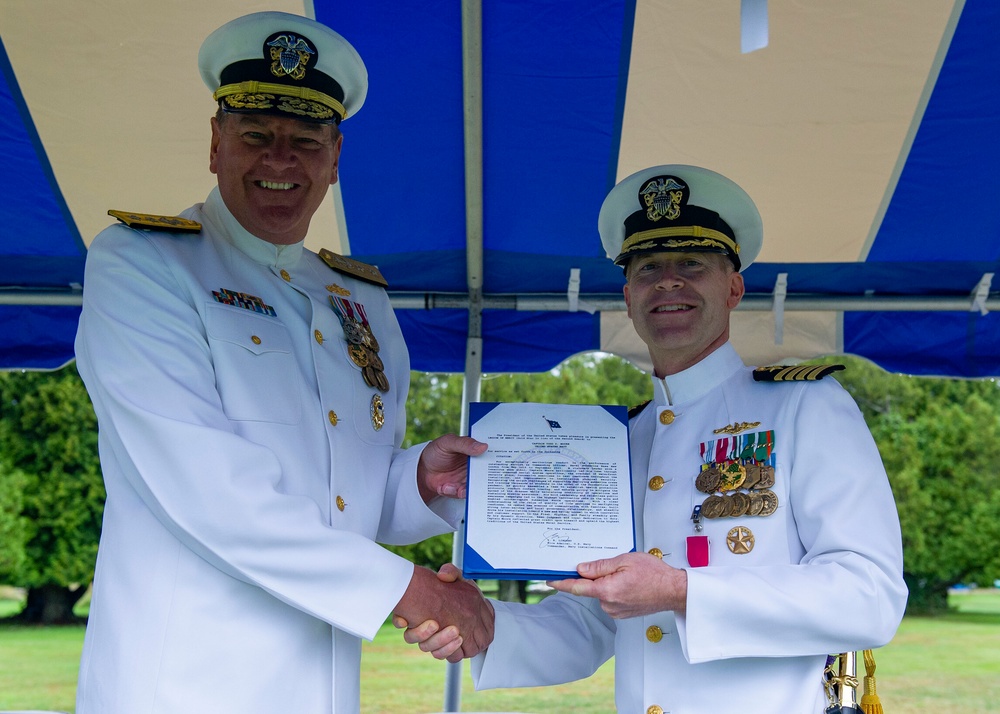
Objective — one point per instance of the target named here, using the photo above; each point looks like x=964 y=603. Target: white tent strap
x=981 y=294
x=780 y=293
x=573 y=294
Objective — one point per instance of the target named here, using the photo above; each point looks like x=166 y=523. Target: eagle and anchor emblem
x=290 y=54
x=663 y=197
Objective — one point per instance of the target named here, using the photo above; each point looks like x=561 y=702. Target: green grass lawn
x=946 y=665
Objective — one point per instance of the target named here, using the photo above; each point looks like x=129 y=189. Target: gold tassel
x=870 y=703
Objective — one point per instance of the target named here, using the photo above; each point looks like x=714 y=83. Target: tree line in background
x=939 y=439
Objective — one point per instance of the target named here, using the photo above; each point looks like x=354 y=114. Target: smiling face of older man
x=274 y=172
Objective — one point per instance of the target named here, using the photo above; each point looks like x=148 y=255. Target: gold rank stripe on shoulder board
x=150 y=221
x=637 y=409
x=361 y=271
x=800 y=373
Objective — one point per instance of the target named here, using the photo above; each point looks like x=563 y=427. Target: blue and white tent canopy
x=868 y=132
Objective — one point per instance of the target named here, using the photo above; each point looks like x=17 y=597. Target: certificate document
x=552 y=490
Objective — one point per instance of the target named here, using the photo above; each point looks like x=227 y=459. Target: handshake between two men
x=453 y=619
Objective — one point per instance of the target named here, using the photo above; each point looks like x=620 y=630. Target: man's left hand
x=443 y=466
x=630 y=585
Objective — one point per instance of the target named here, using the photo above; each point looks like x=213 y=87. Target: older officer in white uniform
x=251 y=403
x=766 y=531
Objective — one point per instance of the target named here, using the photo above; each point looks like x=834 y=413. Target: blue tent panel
x=37 y=337
x=949 y=343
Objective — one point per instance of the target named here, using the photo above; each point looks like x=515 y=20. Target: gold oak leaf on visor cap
x=283 y=64
x=681 y=209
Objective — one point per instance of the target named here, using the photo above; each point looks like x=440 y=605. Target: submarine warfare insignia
x=362 y=346
x=737 y=475
x=737 y=427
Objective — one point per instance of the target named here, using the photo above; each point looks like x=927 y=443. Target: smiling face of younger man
x=679 y=304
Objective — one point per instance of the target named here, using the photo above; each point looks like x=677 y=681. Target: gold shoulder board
x=149 y=221
x=361 y=271
x=636 y=410
x=803 y=373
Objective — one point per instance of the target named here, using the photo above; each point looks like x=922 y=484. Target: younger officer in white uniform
x=767 y=536
x=251 y=403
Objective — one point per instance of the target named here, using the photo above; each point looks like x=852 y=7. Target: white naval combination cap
x=682 y=209
x=283 y=64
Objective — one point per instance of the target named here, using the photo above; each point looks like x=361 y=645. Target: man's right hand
x=456 y=620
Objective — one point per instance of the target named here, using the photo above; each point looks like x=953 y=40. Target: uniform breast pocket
x=255 y=367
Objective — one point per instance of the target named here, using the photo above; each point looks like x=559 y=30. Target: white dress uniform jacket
x=247 y=475
x=824 y=574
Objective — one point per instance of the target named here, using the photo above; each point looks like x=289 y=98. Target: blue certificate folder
x=592 y=492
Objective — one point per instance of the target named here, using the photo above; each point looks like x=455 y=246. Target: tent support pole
x=472 y=86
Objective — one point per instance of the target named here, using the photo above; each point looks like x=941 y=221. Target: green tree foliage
x=940 y=443
x=13 y=528
x=939 y=440
x=51 y=473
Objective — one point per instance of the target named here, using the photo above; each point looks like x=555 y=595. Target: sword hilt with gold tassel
x=841 y=684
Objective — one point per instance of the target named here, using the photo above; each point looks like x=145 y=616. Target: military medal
x=370 y=338
x=770 y=499
x=752 y=476
x=359 y=355
x=733 y=476
x=756 y=503
x=737 y=475
x=740 y=540
x=708 y=479
x=378 y=412
x=362 y=346
x=353 y=332
x=741 y=503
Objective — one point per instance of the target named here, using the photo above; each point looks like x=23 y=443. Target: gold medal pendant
x=766 y=477
x=770 y=499
x=733 y=476
x=378 y=412
x=359 y=355
x=740 y=540
x=713 y=506
x=737 y=474
x=708 y=479
x=362 y=347
x=753 y=476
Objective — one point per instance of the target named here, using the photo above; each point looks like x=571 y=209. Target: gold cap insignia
x=662 y=197
x=289 y=53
